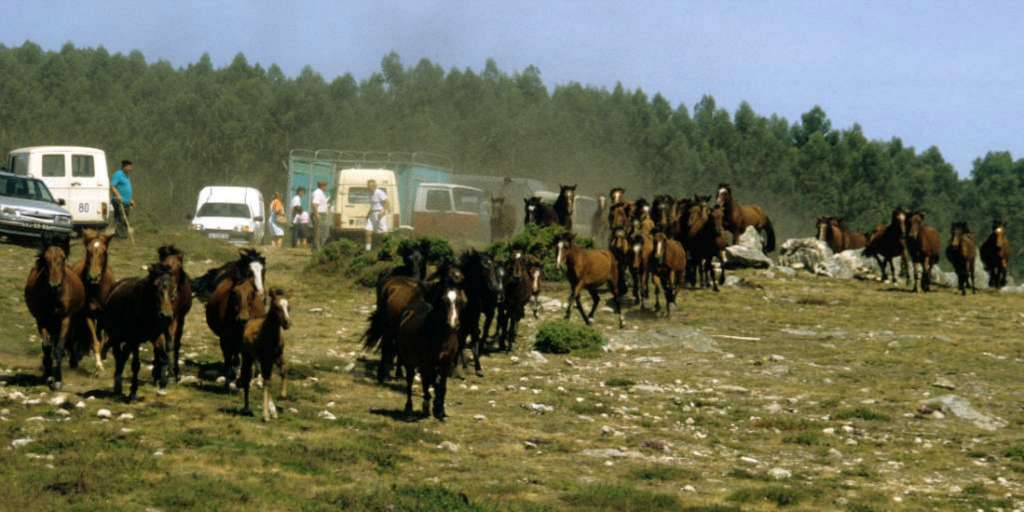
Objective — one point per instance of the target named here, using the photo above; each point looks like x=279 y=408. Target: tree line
x=197 y=125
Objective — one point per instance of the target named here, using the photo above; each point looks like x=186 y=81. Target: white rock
x=104 y=413
x=188 y=379
x=835 y=454
x=536 y=407
x=608 y=431
x=448 y=445
x=750 y=460
x=24 y=441
x=326 y=415
x=537 y=356
x=126 y=417
x=58 y=400
x=780 y=474
x=63 y=412
x=689 y=488
x=80 y=405
x=158 y=453
x=36 y=418
x=480 y=417
x=221 y=380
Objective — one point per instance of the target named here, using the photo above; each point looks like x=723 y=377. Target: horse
x=838 y=238
x=140 y=309
x=617 y=195
x=250 y=263
x=588 y=269
x=705 y=240
x=174 y=259
x=232 y=304
x=539 y=213
x=621 y=249
x=54 y=294
x=565 y=205
x=641 y=217
x=662 y=211
x=888 y=242
x=669 y=264
x=960 y=251
x=924 y=246
x=851 y=239
x=995 y=255
x=394 y=295
x=641 y=252
x=618 y=217
x=520 y=284
x=263 y=341
x=739 y=216
x=483 y=289
x=95 y=274
x=428 y=338
x=503 y=219
x=598 y=223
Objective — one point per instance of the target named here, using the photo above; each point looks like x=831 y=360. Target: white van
x=77 y=175
x=233 y=214
x=352 y=200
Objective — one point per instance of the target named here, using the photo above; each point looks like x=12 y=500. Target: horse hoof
x=55 y=385
x=479 y=373
x=161 y=392
x=245 y=412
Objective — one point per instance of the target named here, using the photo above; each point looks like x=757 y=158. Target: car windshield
x=25 y=188
x=468 y=200
x=235 y=210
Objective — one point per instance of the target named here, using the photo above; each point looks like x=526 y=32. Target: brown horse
x=705 y=241
x=483 y=290
x=739 y=216
x=640 y=266
x=540 y=213
x=662 y=211
x=140 y=309
x=174 y=259
x=889 y=242
x=521 y=282
x=264 y=342
x=232 y=304
x=960 y=251
x=838 y=238
x=621 y=249
x=54 y=295
x=565 y=205
x=995 y=255
x=503 y=219
x=618 y=217
x=924 y=247
x=250 y=264
x=394 y=295
x=588 y=269
x=617 y=195
x=669 y=264
x=95 y=274
x=851 y=239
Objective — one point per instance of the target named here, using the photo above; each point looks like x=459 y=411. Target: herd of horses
x=429 y=312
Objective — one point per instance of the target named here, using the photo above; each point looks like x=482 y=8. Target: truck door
x=88 y=190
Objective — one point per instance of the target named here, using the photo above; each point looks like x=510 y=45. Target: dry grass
x=853 y=357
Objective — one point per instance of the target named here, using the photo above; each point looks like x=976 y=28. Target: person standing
x=296 y=209
x=277 y=220
x=121 y=197
x=377 y=218
x=318 y=207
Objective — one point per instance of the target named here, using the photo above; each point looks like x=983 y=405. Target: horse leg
x=409 y=377
x=579 y=304
x=269 y=410
x=246 y=379
x=477 y=346
x=634 y=277
x=569 y=301
x=120 y=358
x=47 y=346
x=282 y=370
x=440 y=390
x=179 y=328
x=721 y=268
x=58 y=352
x=136 y=365
x=501 y=328
x=488 y=318
x=96 y=345
x=160 y=363
x=971 y=270
x=595 y=299
x=710 y=269
x=617 y=301
x=429 y=376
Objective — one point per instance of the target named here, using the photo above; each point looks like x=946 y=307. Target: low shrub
x=346 y=257
x=539 y=242
x=620 y=498
x=563 y=337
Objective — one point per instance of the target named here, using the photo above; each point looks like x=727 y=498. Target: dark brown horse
x=640 y=266
x=539 y=213
x=54 y=294
x=565 y=205
x=140 y=310
x=669 y=266
x=174 y=259
x=995 y=255
x=961 y=251
x=618 y=217
x=617 y=195
x=521 y=282
x=739 y=216
x=503 y=219
x=705 y=241
x=662 y=211
x=250 y=264
x=95 y=274
x=889 y=242
x=588 y=269
x=394 y=295
x=483 y=290
x=263 y=342
x=924 y=247
x=232 y=304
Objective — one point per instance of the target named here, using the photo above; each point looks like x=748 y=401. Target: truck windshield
x=23 y=188
x=358 y=195
x=235 y=210
x=468 y=200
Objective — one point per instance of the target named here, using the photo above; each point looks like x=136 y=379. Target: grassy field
x=800 y=393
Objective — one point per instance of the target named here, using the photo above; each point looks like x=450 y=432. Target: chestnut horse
x=140 y=309
x=838 y=238
x=739 y=216
x=54 y=295
x=669 y=266
x=97 y=278
x=232 y=304
x=662 y=211
x=924 y=246
x=889 y=242
x=995 y=255
x=588 y=269
x=503 y=219
x=174 y=259
x=641 y=252
x=250 y=263
x=961 y=251
x=565 y=205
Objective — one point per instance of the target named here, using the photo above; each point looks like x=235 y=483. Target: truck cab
x=232 y=214
x=77 y=175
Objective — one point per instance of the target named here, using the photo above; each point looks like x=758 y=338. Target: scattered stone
x=537 y=356
x=80 y=405
x=221 y=380
x=104 y=414
x=63 y=412
x=316 y=310
x=480 y=417
x=188 y=379
x=58 y=400
x=610 y=453
x=780 y=474
x=448 y=445
x=647 y=388
x=728 y=388
x=158 y=453
x=938 y=415
x=944 y=384
x=750 y=460
x=126 y=417
x=835 y=454
x=530 y=445
x=541 y=408
x=24 y=441
x=804 y=253
x=739 y=256
x=689 y=488
x=35 y=418
x=327 y=415
x=961 y=408
x=608 y=431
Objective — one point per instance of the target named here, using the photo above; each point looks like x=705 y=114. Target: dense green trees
x=198 y=125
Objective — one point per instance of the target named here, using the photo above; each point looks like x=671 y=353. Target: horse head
x=619 y=242
x=563 y=243
x=244 y=299
x=717 y=216
x=96 y=247
x=171 y=256
x=835 y=228
x=252 y=263
x=821 y=226
x=724 y=196
x=493 y=275
x=52 y=257
x=898 y=218
x=999 y=228
x=616 y=194
x=636 y=248
x=279 y=306
x=659 y=246
x=916 y=222
x=567 y=193
x=161 y=286
x=602 y=202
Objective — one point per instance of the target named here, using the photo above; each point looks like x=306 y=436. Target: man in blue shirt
x=123 y=202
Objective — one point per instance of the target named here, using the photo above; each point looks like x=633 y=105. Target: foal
x=960 y=252
x=588 y=269
x=263 y=342
x=53 y=294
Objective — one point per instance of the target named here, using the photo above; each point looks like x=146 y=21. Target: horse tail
x=769 y=242
x=375 y=331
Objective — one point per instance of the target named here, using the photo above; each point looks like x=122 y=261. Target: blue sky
x=943 y=73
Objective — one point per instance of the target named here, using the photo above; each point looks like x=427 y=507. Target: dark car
x=27 y=209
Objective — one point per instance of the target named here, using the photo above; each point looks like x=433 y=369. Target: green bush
x=563 y=337
x=336 y=255
x=346 y=257
x=539 y=242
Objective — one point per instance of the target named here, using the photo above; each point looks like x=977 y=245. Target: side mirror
x=258 y=218
x=189 y=217
x=62 y=202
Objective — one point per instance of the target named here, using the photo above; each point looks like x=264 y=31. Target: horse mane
x=169 y=250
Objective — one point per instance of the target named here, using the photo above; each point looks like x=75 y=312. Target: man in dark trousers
x=121 y=196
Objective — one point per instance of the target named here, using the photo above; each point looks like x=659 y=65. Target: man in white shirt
x=377 y=218
x=318 y=207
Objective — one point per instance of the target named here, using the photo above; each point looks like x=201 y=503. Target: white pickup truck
x=76 y=175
